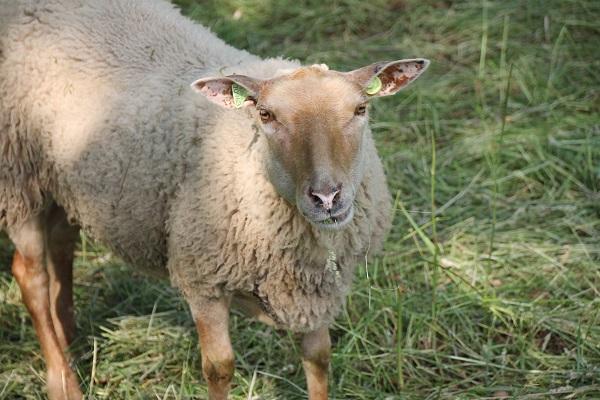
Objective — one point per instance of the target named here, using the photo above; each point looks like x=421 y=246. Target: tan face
x=314 y=121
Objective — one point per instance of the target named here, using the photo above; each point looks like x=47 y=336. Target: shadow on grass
x=6 y=252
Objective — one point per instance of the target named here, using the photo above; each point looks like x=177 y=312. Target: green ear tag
x=374 y=86
x=240 y=94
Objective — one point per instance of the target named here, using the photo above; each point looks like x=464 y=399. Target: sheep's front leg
x=212 y=323
x=316 y=350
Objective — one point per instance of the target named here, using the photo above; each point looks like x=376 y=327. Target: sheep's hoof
x=63 y=385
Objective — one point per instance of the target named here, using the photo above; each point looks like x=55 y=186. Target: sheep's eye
x=361 y=109
x=265 y=116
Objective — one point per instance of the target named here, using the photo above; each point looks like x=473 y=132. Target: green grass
x=489 y=285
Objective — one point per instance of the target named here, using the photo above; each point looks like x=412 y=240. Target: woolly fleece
x=96 y=114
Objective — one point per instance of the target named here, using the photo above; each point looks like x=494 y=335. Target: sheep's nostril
x=315 y=199
x=325 y=200
x=336 y=196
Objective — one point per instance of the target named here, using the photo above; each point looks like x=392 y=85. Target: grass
x=489 y=285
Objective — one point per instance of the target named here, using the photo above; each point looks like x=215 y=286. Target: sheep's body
x=96 y=114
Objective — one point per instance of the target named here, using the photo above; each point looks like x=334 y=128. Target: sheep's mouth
x=338 y=221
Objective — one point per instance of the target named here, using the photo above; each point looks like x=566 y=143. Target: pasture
x=489 y=284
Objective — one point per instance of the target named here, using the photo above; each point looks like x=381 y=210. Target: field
x=489 y=285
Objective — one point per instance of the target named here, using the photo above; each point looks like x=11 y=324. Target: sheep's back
x=94 y=113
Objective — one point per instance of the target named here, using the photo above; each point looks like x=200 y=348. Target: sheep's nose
x=325 y=198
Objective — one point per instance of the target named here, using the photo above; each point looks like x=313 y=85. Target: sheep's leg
x=212 y=323
x=60 y=240
x=316 y=349
x=30 y=273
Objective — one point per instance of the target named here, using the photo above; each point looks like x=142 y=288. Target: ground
x=490 y=280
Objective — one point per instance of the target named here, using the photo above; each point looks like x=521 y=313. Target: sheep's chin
x=335 y=223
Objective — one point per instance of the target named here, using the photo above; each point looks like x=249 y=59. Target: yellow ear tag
x=374 y=86
x=240 y=94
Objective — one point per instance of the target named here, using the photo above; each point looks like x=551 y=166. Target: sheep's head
x=315 y=120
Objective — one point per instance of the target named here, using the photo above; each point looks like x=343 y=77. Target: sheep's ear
x=233 y=91
x=387 y=77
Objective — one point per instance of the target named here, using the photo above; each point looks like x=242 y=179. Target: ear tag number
x=240 y=94
x=374 y=86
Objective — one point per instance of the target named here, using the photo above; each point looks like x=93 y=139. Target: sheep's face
x=315 y=121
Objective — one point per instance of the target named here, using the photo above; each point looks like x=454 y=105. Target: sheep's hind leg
x=60 y=239
x=212 y=323
x=29 y=270
x=316 y=349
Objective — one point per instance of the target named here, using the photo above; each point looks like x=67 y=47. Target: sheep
x=259 y=187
